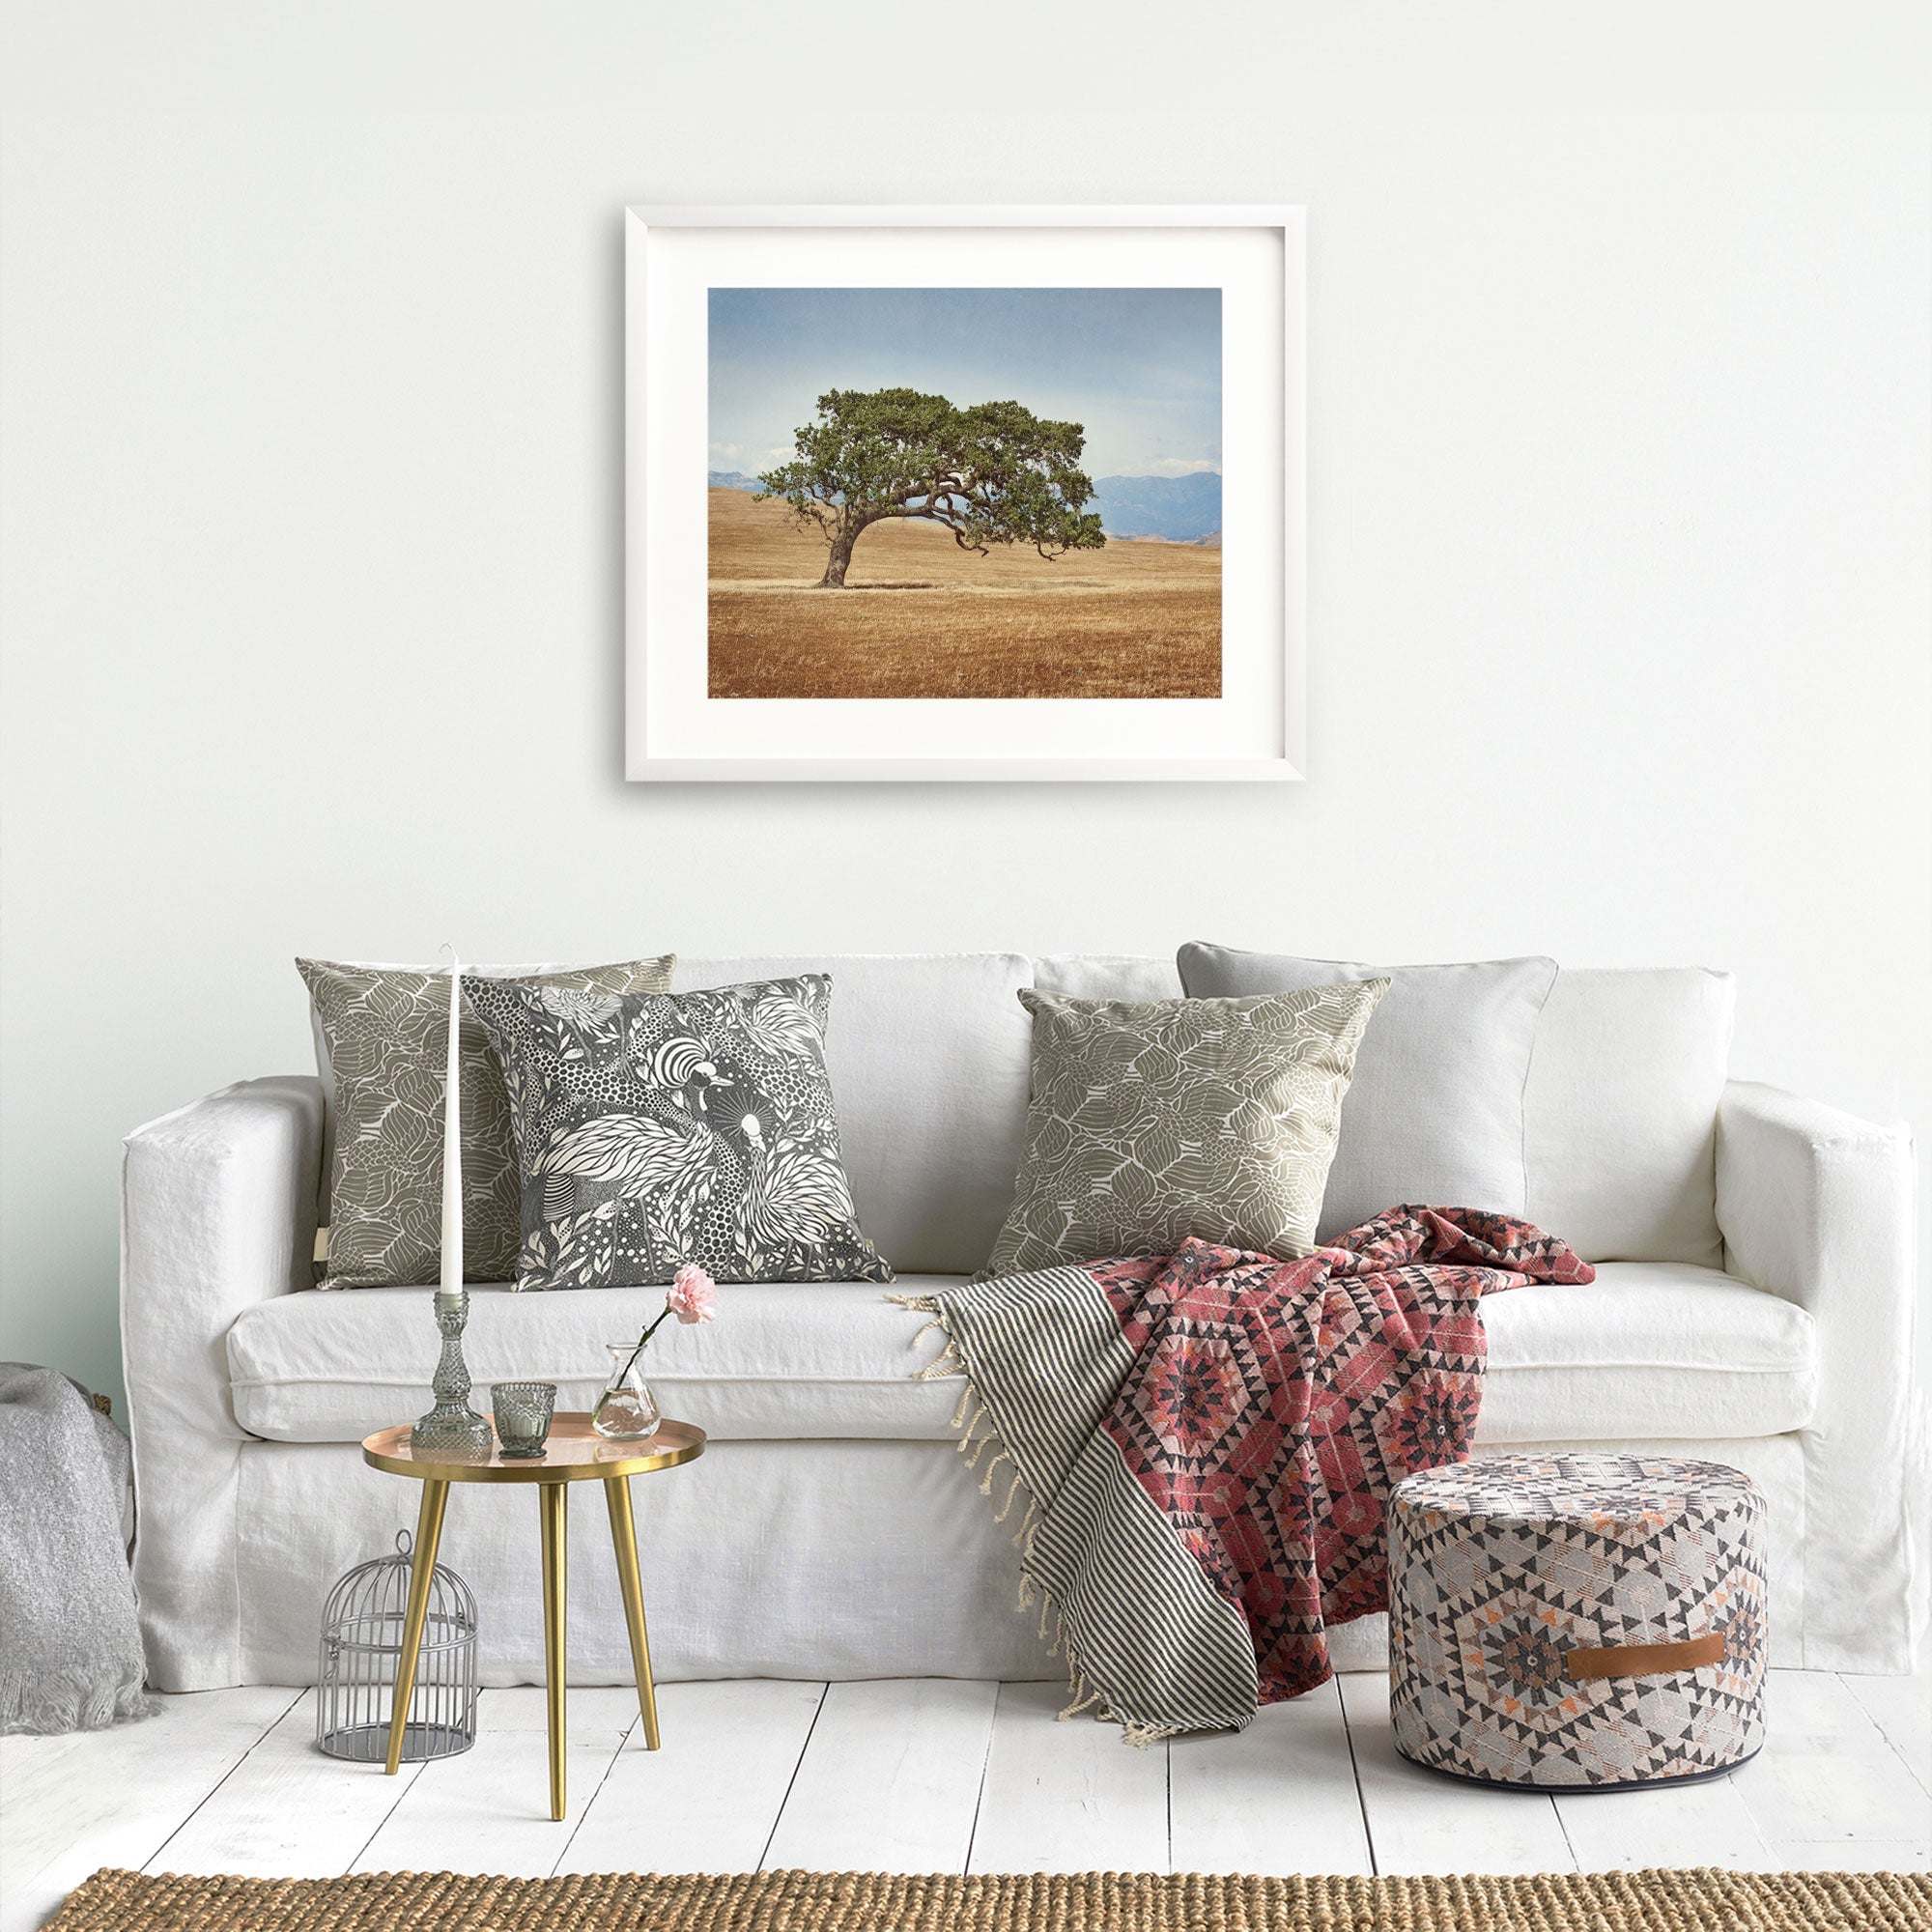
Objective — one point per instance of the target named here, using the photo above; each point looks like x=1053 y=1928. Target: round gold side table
x=575 y=1453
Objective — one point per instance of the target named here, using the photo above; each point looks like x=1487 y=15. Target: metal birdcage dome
x=362 y=1644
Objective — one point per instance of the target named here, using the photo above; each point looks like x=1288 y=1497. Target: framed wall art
x=964 y=492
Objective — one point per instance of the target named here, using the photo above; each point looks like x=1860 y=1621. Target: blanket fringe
x=1083 y=1696
x=1023 y=1536
x=978 y=1432
x=1005 y=1510
x=943 y=1366
x=946 y=1363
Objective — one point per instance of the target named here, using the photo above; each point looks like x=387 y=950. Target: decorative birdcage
x=361 y=1645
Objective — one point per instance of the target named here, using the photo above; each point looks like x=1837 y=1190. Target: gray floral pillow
x=682 y=1128
x=385 y=1034
x=1152 y=1121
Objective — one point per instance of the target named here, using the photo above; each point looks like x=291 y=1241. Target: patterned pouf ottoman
x=1586 y=1621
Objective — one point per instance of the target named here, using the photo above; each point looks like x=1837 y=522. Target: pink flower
x=694 y=1295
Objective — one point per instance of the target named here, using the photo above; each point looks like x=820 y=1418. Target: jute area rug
x=789 y=1901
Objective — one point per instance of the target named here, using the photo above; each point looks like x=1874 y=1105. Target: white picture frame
x=674 y=732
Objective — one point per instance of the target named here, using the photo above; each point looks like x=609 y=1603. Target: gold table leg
x=554 y=1503
x=624 y=1538
x=422 y=1570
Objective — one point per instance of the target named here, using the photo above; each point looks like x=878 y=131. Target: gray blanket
x=69 y=1645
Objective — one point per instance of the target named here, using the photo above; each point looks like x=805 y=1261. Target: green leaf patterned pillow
x=385 y=1033
x=690 y=1127
x=1149 y=1122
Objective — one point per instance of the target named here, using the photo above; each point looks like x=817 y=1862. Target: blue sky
x=1141 y=368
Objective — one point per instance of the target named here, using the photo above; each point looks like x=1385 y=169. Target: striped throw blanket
x=1204 y=1443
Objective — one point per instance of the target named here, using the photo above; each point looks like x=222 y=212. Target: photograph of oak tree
x=964 y=492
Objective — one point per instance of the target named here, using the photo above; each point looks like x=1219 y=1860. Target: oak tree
x=994 y=473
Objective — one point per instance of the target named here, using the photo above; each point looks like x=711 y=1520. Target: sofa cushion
x=1434 y=1114
x=1648 y=1350
x=927 y=1054
x=1621 y=1112
x=780 y=1360
x=1106 y=976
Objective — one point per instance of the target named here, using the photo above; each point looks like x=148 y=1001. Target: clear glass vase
x=627 y=1409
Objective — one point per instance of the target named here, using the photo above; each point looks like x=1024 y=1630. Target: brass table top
x=575 y=1453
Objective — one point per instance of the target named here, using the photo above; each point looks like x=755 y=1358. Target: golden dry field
x=919 y=617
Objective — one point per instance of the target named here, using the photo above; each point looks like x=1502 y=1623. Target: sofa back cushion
x=927 y=1056
x=1621 y=1109
x=1106 y=976
x=1434 y=1114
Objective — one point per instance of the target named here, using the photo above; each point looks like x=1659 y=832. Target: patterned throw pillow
x=691 y=1126
x=1149 y=1122
x=385 y=1031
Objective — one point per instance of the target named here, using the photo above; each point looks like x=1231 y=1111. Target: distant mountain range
x=1181 y=509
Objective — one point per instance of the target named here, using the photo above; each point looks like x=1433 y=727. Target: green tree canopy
x=994 y=473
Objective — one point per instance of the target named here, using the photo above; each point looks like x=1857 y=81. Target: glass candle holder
x=522 y=1411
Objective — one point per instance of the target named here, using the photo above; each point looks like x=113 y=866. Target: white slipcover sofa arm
x=217 y=1211
x=1817 y=1205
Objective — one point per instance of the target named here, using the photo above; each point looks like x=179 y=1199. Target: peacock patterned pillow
x=1149 y=1122
x=657 y=1130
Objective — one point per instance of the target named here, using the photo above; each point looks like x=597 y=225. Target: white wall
x=1619 y=487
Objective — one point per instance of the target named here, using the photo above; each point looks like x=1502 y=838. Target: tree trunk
x=835 y=563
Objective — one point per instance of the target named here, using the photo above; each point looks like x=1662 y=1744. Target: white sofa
x=1753 y=1305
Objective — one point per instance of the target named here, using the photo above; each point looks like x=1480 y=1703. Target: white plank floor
x=926 y=1775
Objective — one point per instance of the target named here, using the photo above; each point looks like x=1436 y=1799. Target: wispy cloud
x=1183 y=466
x=747 y=456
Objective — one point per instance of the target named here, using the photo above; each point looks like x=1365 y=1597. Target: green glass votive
x=522 y=1411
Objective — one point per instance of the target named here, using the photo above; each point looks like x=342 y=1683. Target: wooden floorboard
x=1067 y=1796
x=890 y=1780
x=1419 y=1821
x=1276 y=1799
x=68 y=1806
x=709 y=1799
x=1706 y=1824
x=1828 y=1778
x=489 y=1809
x=286 y=1811
x=1901 y=1707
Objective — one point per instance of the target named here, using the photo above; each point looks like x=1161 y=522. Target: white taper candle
x=452 y=1143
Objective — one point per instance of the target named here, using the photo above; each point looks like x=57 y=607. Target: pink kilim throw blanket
x=1205 y=1442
